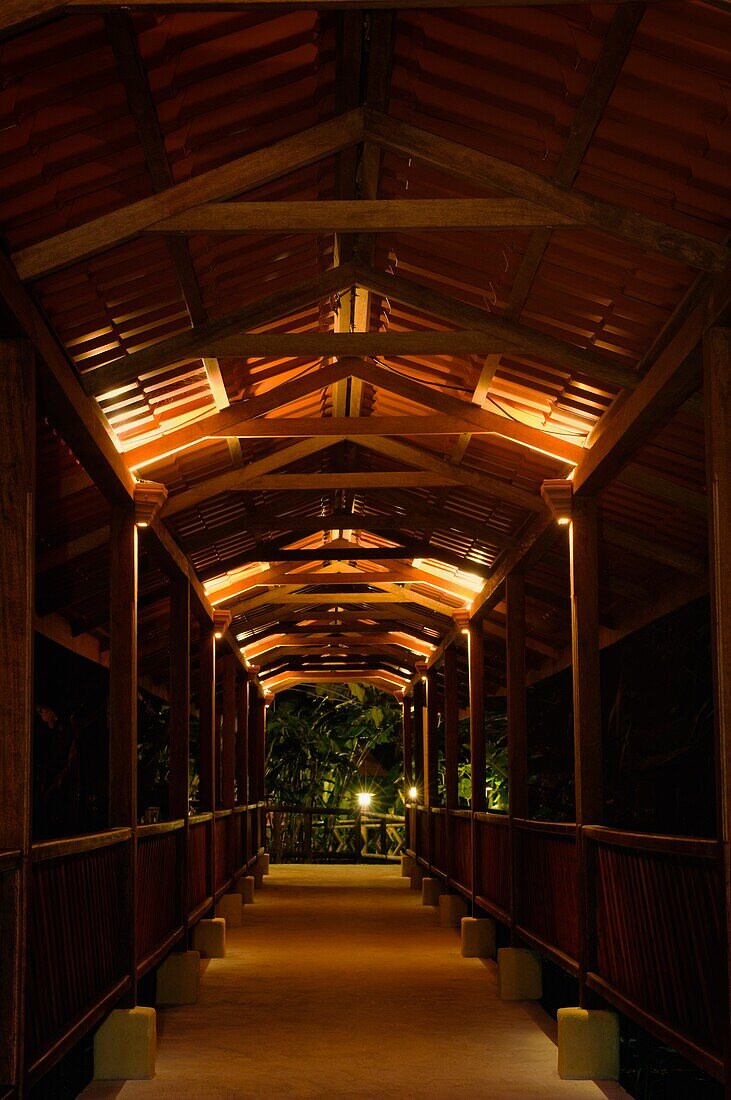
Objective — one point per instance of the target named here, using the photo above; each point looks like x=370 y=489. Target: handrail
x=697 y=847
x=222 y=813
x=556 y=828
x=72 y=845
x=200 y=819
x=157 y=828
x=337 y=810
x=10 y=860
x=492 y=819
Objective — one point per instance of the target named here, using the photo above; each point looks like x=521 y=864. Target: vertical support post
x=262 y=731
x=408 y=749
x=17 y=569
x=207 y=715
x=584 y=566
x=517 y=732
x=123 y=707
x=179 y=730
x=430 y=739
x=477 y=715
x=717 y=390
x=242 y=740
x=417 y=727
x=228 y=754
x=451 y=727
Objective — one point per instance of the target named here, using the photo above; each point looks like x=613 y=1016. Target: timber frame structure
x=392 y=339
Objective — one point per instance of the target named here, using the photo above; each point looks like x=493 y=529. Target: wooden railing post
x=430 y=739
x=207 y=715
x=584 y=565
x=417 y=727
x=242 y=739
x=228 y=750
x=123 y=708
x=179 y=729
x=477 y=715
x=17 y=570
x=451 y=753
x=517 y=733
x=717 y=390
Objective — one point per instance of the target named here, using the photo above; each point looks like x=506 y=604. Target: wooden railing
x=314 y=834
x=92 y=930
x=656 y=904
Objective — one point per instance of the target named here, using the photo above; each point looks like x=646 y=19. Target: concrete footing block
x=230 y=907
x=124 y=1046
x=588 y=1044
x=519 y=974
x=209 y=937
x=178 y=979
x=245 y=889
x=417 y=876
x=264 y=860
x=431 y=891
x=407 y=866
x=478 y=938
x=258 y=874
x=452 y=907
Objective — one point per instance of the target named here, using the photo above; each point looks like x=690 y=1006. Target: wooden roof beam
x=617 y=221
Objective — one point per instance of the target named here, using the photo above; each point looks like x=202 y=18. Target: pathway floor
x=341 y=985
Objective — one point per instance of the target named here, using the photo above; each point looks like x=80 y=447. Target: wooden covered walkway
x=341 y=984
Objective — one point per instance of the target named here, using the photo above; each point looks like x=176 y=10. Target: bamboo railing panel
x=492 y=840
x=197 y=845
x=438 y=854
x=157 y=873
x=547 y=887
x=659 y=937
x=77 y=950
x=461 y=839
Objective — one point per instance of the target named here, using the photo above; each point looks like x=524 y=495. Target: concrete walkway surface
x=341 y=985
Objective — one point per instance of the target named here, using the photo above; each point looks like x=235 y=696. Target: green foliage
x=320 y=738
x=496 y=763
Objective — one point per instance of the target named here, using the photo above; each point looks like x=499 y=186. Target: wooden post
x=517 y=732
x=717 y=390
x=262 y=731
x=430 y=739
x=584 y=566
x=477 y=715
x=17 y=570
x=408 y=744
x=417 y=727
x=242 y=739
x=228 y=753
x=451 y=728
x=179 y=696
x=123 y=708
x=253 y=743
x=179 y=733
x=207 y=715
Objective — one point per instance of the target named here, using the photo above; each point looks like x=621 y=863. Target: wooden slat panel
x=156 y=892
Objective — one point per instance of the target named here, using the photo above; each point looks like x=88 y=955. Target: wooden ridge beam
x=193 y=343
x=360 y=216
x=617 y=221
x=234 y=178
x=310 y=345
x=510 y=335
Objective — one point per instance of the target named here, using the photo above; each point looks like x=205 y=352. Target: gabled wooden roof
x=528 y=244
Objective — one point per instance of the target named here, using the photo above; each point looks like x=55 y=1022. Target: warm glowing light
x=465 y=630
x=143 y=523
x=218 y=635
x=563 y=521
x=364 y=799
x=413 y=794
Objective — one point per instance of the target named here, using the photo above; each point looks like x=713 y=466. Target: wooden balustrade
x=659 y=937
x=77 y=922
x=197 y=870
x=158 y=865
x=492 y=864
x=460 y=828
x=438 y=857
x=546 y=890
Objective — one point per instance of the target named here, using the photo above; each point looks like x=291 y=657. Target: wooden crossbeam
x=311 y=345
x=627 y=225
x=518 y=338
x=234 y=178
x=396 y=573
x=360 y=216
x=193 y=343
x=284 y=595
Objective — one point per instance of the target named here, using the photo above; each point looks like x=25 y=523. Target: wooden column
x=123 y=709
x=228 y=752
x=584 y=566
x=477 y=715
x=451 y=727
x=242 y=739
x=207 y=716
x=431 y=734
x=418 y=735
x=179 y=696
x=517 y=733
x=262 y=732
x=253 y=743
x=717 y=389
x=17 y=570
x=408 y=744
